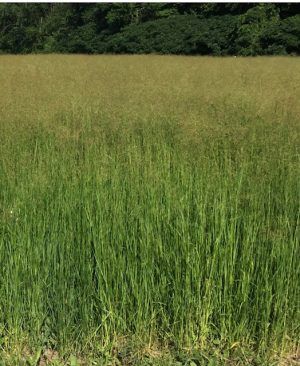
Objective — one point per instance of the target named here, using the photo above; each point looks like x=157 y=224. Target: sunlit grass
x=149 y=201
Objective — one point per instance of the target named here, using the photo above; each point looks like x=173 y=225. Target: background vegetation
x=149 y=210
x=204 y=29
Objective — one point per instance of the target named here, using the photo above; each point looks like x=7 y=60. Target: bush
x=185 y=34
x=252 y=25
x=283 y=38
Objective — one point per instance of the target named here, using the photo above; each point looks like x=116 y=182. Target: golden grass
x=194 y=89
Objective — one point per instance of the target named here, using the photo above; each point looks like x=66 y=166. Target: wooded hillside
x=181 y=28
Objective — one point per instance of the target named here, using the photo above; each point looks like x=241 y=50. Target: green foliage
x=179 y=28
x=20 y=28
x=185 y=34
x=252 y=24
x=284 y=39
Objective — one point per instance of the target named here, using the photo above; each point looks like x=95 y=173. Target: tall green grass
x=133 y=227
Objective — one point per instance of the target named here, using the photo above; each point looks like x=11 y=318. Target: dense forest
x=162 y=28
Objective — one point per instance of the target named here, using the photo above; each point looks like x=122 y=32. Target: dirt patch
x=47 y=357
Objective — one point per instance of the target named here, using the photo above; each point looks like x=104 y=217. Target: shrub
x=185 y=34
x=283 y=38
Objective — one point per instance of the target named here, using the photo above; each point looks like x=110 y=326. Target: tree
x=252 y=25
x=186 y=34
x=185 y=28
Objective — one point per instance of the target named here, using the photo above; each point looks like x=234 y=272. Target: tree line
x=246 y=29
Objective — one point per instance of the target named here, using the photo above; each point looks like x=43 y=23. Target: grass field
x=149 y=210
